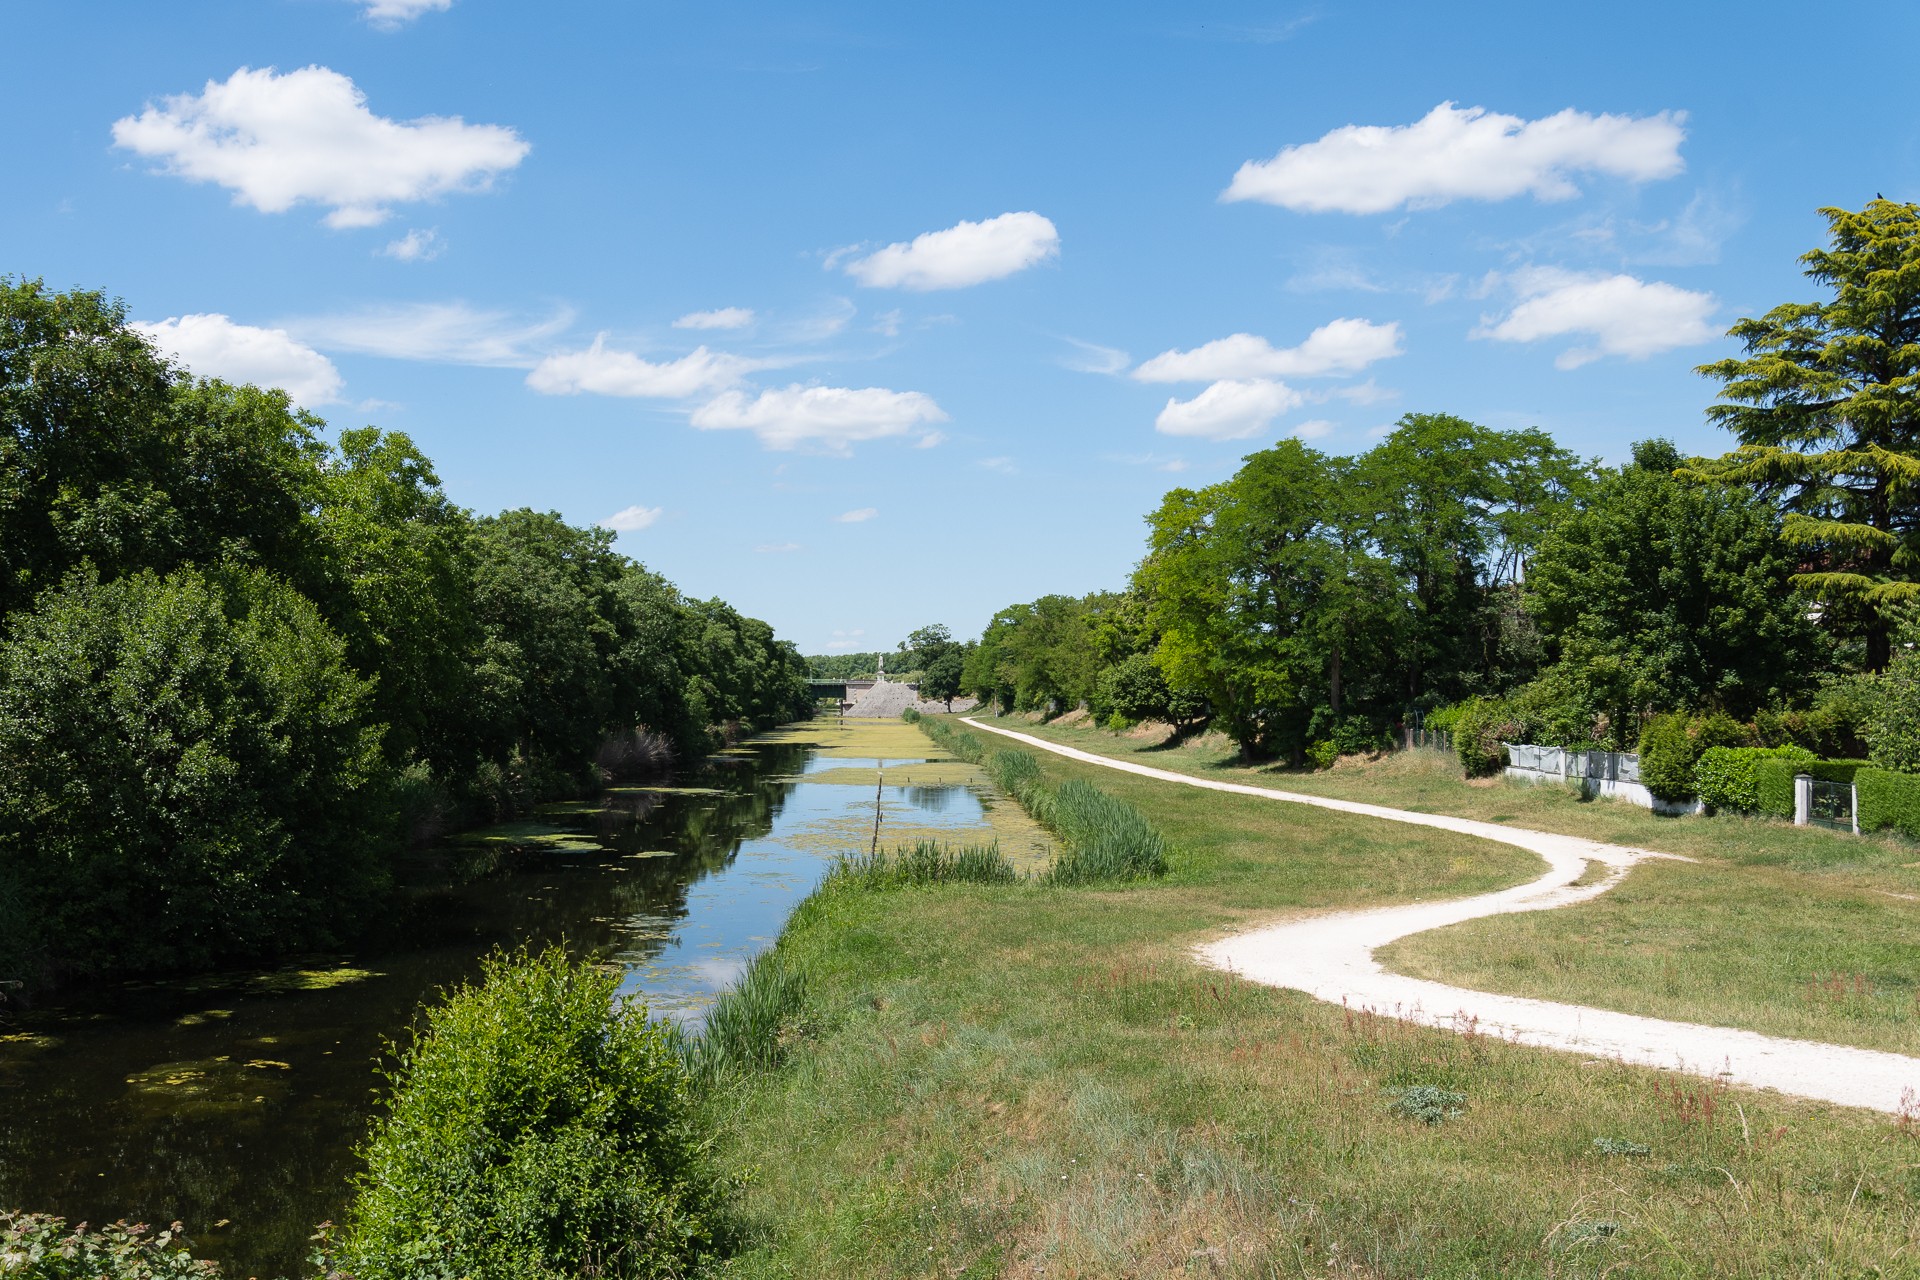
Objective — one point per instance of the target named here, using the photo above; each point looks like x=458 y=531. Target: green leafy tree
x=186 y=773
x=1662 y=594
x=1824 y=405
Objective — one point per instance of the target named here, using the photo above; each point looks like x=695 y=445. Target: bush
x=1428 y=1104
x=39 y=1246
x=1728 y=777
x=538 y=1128
x=1887 y=801
x=1666 y=759
x=1477 y=737
x=1443 y=719
x=1134 y=688
x=1322 y=754
x=1773 y=785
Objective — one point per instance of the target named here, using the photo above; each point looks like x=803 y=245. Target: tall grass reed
x=746 y=1027
x=922 y=863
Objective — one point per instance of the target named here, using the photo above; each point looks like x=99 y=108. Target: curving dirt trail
x=1331 y=957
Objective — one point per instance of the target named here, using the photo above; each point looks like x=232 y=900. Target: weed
x=1621 y=1147
x=1428 y=1104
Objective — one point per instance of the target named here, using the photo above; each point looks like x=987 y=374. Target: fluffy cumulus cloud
x=1622 y=315
x=1232 y=409
x=1340 y=346
x=307 y=137
x=1461 y=154
x=213 y=346
x=622 y=373
x=390 y=15
x=631 y=519
x=445 y=332
x=965 y=254
x=720 y=318
x=828 y=418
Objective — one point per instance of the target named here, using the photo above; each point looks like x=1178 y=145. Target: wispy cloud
x=778 y=548
x=832 y=419
x=859 y=515
x=967 y=253
x=631 y=519
x=1003 y=465
x=449 y=332
x=1091 y=357
x=391 y=15
x=415 y=246
x=719 y=318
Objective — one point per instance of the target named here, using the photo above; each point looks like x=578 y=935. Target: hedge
x=1727 y=777
x=1887 y=801
x=1773 y=785
x=1666 y=758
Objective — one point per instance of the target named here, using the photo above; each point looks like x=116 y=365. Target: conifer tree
x=1824 y=405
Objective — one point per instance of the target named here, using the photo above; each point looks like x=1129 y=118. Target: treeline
x=242 y=667
x=1313 y=604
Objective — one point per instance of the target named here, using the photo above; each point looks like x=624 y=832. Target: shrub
x=1666 y=758
x=1357 y=735
x=1887 y=801
x=39 y=1246
x=1621 y=1147
x=1134 y=688
x=1719 y=729
x=1443 y=719
x=1428 y=1104
x=1322 y=754
x=1728 y=777
x=1477 y=735
x=911 y=715
x=1773 y=785
x=538 y=1128
x=1891 y=725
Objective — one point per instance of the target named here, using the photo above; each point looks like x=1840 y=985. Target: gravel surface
x=1331 y=957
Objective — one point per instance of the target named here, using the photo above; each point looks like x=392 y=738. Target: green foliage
x=1666 y=758
x=951 y=738
x=1106 y=838
x=1134 y=688
x=39 y=1246
x=1773 y=785
x=1664 y=595
x=1892 y=724
x=1887 y=801
x=1481 y=726
x=1429 y=1104
x=924 y=862
x=1444 y=719
x=747 y=1024
x=186 y=776
x=538 y=1127
x=842 y=666
x=1728 y=777
x=1621 y=1147
x=1322 y=754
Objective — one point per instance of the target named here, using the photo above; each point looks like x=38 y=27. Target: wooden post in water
x=879 y=779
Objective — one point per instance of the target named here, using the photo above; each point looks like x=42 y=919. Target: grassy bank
x=1035 y=1080
x=1793 y=931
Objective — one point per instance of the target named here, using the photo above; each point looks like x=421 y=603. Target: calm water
x=233 y=1103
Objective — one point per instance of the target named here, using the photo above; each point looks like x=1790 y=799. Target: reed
x=746 y=1027
x=925 y=862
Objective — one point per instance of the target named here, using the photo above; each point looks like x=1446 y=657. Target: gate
x=1832 y=805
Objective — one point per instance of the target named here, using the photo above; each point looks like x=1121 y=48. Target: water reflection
x=233 y=1103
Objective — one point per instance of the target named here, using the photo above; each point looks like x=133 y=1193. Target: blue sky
x=868 y=316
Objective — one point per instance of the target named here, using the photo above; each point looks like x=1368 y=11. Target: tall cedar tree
x=1824 y=407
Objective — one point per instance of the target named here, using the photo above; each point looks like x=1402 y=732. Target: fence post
x=1854 y=808
x=1802 y=799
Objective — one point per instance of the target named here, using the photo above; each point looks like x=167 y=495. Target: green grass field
x=1028 y=1081
x=1790 y=931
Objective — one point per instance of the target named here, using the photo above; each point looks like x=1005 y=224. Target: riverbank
x=1026 y=1081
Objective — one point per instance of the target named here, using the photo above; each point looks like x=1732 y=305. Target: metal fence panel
x=1832 y=805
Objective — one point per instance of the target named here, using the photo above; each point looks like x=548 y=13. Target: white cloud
x=1313 y=429
x=622 y=373
x=631 y=519
x=449 y=332
x=415 y=246
x=833 y=418
x=1003 y=465
x=1461 y=154
x=389 y=15
x=931 y=440
x=778 y=548
x=1623 y=315
x=719 y=318
x=1340 y=346
x=1231 y=409
x=213 y=346
x=859 y=515
x=307 y=137
x=966 y=253
x=1094 y=358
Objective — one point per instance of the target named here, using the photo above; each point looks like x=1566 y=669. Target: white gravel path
x=1331 y=957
